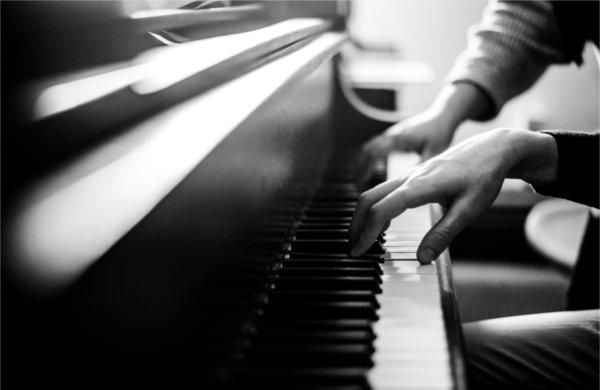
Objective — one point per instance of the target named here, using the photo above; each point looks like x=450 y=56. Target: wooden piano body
x=134 y=218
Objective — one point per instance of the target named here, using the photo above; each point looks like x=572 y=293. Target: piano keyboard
x=411 y=349
x=336 y=322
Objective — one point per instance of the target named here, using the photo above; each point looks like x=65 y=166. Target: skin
x=465 y=179
x=428 y=133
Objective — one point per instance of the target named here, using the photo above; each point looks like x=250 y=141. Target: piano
x=177 y=190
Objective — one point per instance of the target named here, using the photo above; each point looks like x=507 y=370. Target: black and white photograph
x=300 y=194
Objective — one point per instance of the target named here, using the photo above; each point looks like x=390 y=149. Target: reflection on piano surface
x=195 y=234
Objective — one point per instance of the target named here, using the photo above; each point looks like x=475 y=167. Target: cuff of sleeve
x=487 y=79
x=578 y=168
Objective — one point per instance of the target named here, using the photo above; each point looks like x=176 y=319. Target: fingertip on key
x=426 y=256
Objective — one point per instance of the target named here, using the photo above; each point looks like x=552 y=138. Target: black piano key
x=332 y=246
x=296 y=378
x=338 y=324
x=334 y=256
x=328 y=220
x=334 y=212
x=349 y=262
x=321 y=246
x=329 y=271
x=328 y=283
x=311 y=355
x=324 y=296
x=316 y=233
x=320 y=336
x=324 y=225
x=321 y=234
x=330 y=204
x=312 y=309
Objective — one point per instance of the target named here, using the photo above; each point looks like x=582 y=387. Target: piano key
x=401 y=243
x=329 y=212
x=339 y=256
x=311 y=355
x=324 y=225
x=328 y=282
x=401 y=249
x=321 y=336
x=412 y=267
x=324 y=296
x=332 y=246
x=331 y=378
x=329 y=220
x=314 y=302
x=348 y=262
x=312 y=309
x=329 y=271
x=343 y=324
x=324 y=234
x=401 y=255
x=329 y=204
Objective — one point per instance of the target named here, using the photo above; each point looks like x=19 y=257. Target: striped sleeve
x=509 y=50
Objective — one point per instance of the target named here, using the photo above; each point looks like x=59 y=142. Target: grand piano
x=177 y=185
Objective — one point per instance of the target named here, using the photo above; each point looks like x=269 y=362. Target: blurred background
x=435 y=32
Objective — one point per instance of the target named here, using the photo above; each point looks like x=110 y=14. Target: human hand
x=465 y=179
x=428 y=133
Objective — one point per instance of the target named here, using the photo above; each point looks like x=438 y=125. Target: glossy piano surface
x=205 y=244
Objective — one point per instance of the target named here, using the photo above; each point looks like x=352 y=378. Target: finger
x=380 y=214
x=427 y=155
x=373 y=150
x=439 y=237
x=368 y=199
x=365 y=168
x=375 y=223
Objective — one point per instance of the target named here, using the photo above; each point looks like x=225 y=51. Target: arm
x=466 y=179
x=430 y=132
x=507 y=52
x=578 y=168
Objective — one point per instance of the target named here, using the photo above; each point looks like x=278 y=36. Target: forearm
x=532 y=157
x=459 y=102
x=509 y=50
x=556 y=163
x=577 y=167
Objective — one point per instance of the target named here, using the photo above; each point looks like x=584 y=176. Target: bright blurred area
x=435 y=32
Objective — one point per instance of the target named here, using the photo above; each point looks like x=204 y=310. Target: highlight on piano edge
x=188 y=192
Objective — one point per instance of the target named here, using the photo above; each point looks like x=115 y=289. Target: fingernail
x=426 y=256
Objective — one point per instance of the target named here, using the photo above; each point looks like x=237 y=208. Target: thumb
x=444 y=231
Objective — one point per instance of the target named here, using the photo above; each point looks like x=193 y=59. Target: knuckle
x=469 y=214
x=377 y=215
x=363 y=200
x=442 y=234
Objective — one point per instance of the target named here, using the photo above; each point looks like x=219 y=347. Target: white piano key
x=400 y=248
x=411 y=349
x=402 y=243
x=402 y=256
x=414 y=267
x=391 y=379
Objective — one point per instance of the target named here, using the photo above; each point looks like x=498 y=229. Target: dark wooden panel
x=143 y=314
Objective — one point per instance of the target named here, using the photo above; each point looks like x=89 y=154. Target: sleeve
x=509 y=50
x=578 y=167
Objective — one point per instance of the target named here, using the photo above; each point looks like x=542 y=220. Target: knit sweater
x=507 y=53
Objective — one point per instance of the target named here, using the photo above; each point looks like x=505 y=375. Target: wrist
x=535 y=157
x=459 y=102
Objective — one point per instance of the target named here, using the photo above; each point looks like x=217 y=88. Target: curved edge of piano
x=135 y=307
